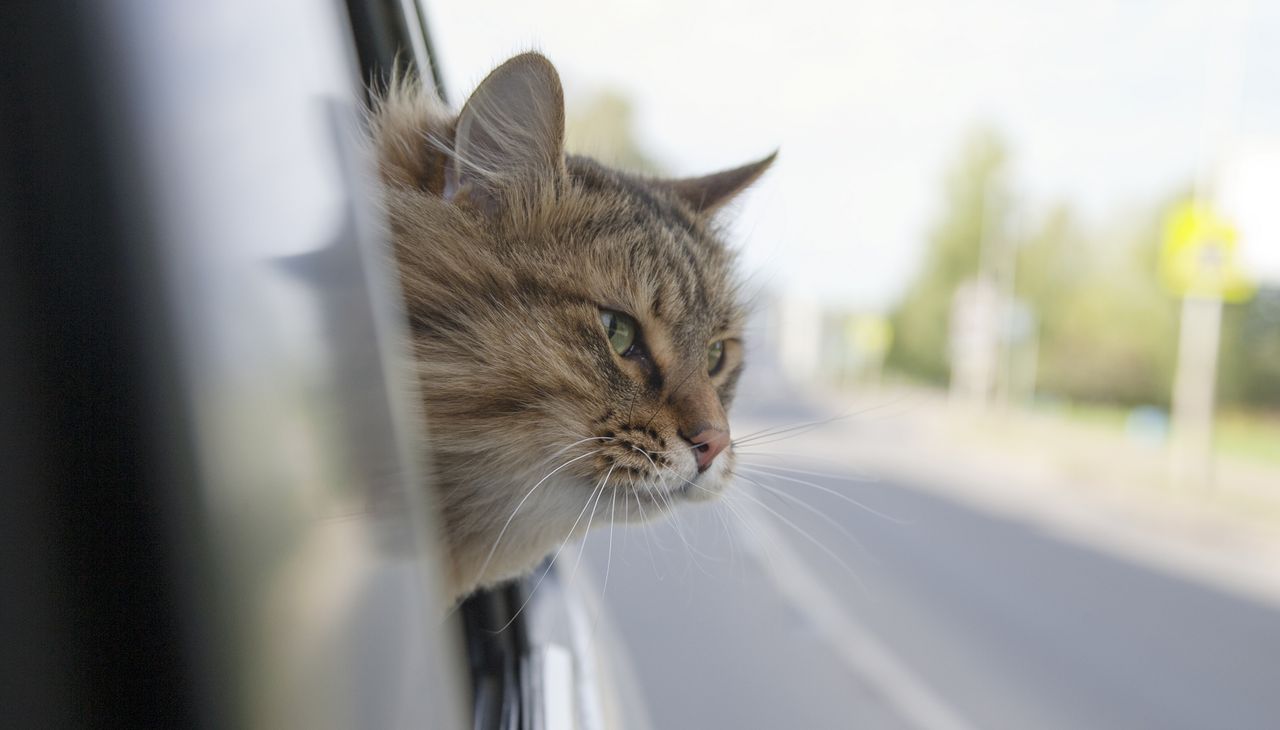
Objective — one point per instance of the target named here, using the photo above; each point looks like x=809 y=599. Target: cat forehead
x=655 y=249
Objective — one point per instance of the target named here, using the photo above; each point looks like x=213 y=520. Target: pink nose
x=707 y=445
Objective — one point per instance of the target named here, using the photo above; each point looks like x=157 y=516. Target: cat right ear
x=509 y=138
x=708 y=193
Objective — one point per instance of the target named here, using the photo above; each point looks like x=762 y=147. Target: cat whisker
x=805 y=534
x=751 y=520
x=813 y=510
x=658 y=409
x=633 y=446
x=693 y=552
x=828 y=490
x=657 y=471
x=608 y=562
x=786 y=428
x=854 y=478
x=728 y=533
x=793 y=456
x=767 y=435
x=786 y=435
x=663 y=497
x=631 y=408
x=590 y=518
x=488 y=558
x=551 y=564
x=744 y=519
x=723 y=506
x=575 y=443
x=762 y=540
x=648 y=537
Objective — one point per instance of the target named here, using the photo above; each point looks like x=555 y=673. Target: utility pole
x=1198 y=260
x=1199 y=264
x=1191 y=455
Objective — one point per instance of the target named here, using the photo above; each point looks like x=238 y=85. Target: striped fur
x=506 y=260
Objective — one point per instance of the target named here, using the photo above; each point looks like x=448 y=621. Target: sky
x=1107 y=105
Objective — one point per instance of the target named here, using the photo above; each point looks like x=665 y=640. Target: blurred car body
x=212 y=511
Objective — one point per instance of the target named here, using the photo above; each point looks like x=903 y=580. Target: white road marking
x=854 y=645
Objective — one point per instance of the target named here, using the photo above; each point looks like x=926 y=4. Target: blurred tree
x=602 y=126
x=1249 y=370
x=977 y=205
x=1108 y=331
x=1050 y=264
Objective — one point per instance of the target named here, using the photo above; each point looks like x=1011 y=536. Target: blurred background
x=1007 y=448
x=1014 y=392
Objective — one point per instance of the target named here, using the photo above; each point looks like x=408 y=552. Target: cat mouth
x=640 y=461
x=658 y=485
x=694 y=487
x=651 y=483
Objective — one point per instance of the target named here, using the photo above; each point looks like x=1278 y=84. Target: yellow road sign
x=1199 y=257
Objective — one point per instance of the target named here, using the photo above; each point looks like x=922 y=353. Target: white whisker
x=814 y=510
x=665 y=494
x=832 y=492
x=800 y=531
x=591 y=518
x=762 y=540
x=528 y=494
x=856 y=478
x=786 y=428
x=648 y=537
x=805 y=427
x=608 y=562
x=599 y=487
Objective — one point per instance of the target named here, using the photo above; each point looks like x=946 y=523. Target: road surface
x=938 y=616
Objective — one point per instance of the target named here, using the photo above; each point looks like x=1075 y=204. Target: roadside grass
x=1247 y=435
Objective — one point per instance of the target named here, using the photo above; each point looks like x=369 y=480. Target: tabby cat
x=577 y=330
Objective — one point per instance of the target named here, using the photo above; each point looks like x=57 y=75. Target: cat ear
x=510 y=133
x=707 y=193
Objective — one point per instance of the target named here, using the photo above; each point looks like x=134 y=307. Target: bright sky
x=1107 y=104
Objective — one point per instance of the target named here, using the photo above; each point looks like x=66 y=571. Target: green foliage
x=977 y=205
x=1249 y=369
x=1108 y=332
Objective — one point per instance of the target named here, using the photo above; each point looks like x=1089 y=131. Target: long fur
x=505 y=271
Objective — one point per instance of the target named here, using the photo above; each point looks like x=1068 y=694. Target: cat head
x=577 y=330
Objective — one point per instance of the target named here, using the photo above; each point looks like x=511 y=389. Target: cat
x=577 y=331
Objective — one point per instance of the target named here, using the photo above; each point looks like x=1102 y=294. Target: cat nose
x=707 y=445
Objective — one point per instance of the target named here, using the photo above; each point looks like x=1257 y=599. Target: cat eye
x=620 y=329
x=715 y=356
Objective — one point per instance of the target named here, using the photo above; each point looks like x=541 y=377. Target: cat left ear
x=510 y=134
x=708 y=193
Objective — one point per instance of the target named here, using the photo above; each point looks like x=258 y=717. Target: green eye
x=620 y=329
x=715 y=356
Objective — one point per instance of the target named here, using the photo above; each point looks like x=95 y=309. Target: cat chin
x=556 y=515
x=712 y=483
x=707 y=491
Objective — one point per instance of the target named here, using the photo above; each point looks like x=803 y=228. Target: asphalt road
x=943 y=617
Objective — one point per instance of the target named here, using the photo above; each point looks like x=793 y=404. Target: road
x=938 y=616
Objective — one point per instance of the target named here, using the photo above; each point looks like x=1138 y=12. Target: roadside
x=1086 y=484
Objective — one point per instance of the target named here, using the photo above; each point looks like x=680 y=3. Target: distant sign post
x=1199 y=264
x=1200 y=257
